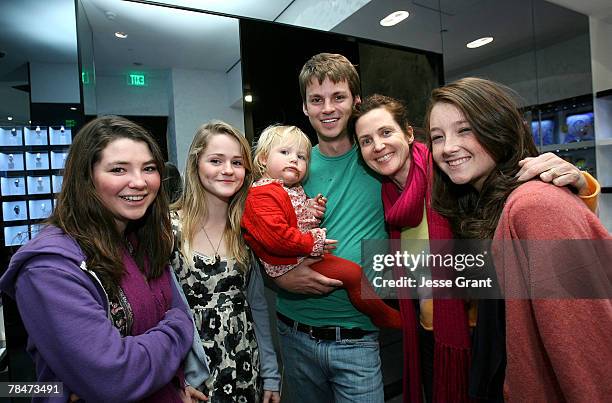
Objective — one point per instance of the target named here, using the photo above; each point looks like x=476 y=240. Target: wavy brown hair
x=81 y=214
x=192 y=203
x=396 y=108
x=499 y=127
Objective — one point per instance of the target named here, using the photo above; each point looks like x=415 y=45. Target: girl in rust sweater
x=551 y=253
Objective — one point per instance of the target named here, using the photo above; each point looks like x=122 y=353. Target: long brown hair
x=193 y=201
x=81 y=214
x=499 y=127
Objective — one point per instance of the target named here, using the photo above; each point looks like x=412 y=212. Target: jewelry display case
x=31 y=163
x=566 y=128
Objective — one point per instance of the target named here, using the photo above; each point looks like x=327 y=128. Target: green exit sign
x=70 y=123
x=137 y=80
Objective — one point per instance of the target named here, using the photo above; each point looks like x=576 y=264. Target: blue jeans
x=344 y=370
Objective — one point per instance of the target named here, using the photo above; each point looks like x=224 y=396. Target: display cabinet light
x=121 y=35
x=248 y=98
x=394 y=18
x=480 y=42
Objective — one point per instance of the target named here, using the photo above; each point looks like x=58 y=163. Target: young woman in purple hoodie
x=93 y=288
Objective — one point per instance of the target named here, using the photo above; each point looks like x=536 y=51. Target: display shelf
x=32 y=159
x=604 y=142
x=579 y=145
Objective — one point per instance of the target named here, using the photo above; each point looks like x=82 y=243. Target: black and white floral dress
x=216 y=295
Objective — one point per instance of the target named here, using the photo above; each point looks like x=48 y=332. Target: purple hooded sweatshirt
x=71 y=338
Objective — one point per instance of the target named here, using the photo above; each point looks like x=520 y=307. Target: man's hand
x=303 y=280
x=554 y=169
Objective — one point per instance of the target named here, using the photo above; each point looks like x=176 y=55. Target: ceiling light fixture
x=394 y=18
x=10 y=118
x=121 y=35
x=73 y=108
x=248 y=98
x=480 y=42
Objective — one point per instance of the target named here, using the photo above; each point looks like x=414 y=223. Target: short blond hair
x=273 y=135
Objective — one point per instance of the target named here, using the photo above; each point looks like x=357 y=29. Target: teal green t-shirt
x=354 y=212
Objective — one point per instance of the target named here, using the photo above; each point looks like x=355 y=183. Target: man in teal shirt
x=330 y=349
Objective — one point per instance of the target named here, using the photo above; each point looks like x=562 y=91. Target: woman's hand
x=192 y=395
x=271 y=396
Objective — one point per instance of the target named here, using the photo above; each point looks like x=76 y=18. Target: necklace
x=217 y=257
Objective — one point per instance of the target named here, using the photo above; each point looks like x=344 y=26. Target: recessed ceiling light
x=480 y=42
x=121 y=35
x=248 y=98
x=10 y=118
x=394 y=18
x=73 y=108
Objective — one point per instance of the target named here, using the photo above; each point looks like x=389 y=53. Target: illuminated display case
x=566 y=128
x=31 y=162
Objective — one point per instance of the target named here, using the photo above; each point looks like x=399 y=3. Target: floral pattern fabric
x=216 y=294
x=306 y=222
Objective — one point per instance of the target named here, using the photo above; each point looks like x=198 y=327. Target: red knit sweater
x=558 y=349
x=271 y=227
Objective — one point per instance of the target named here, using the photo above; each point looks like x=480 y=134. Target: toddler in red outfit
x=282 y=224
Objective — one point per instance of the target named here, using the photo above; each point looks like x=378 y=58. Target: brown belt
x=323 y=333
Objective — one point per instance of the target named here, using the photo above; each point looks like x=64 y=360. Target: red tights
x=359 y=289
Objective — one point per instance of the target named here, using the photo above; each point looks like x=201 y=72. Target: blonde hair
x=193 y=200
x=272 y=136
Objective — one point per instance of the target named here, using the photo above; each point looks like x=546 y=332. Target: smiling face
x=287 y=161
x=221 y=167
x=385 y=147
x=455 y=148
x=126 y=179
x=328 y=106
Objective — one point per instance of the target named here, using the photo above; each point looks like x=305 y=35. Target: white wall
x=565 y=62
x=198 y=96
x=115 y=96
x=601 y=60
x=55 y=83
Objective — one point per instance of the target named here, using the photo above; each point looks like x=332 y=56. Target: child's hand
x=318 y=206
x=330 y=245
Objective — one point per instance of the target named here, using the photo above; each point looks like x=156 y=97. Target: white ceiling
x=41 y=31
x=601 y=9
x=160 y=38
x=34 y=30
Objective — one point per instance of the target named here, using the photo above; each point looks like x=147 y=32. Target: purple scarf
x=149 y=302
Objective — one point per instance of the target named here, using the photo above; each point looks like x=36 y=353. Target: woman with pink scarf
x=437 y=347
